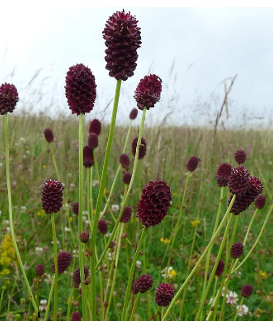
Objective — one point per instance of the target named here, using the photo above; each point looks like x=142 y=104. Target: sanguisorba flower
x=238 y=180
x=148 y=91
x=236 y=250
x=142 y=147
x=80 y=89
x=122 y=39
x=143 y=283
x=76 y=316
x=220 y=268
x=247 y=290
x=49 y=136
x=93 y=140
x=77 y=277
x=223 y=173
x=133 y=114
x=95 y=127
x=154 y=203
x=124 y=161
x=260 y=202
x=240 y=156
x=52 y=196
x=126 y=215
x=8 y=98
x=88 y=157
x=64 y=260
x=39 y=269
x=164 y=294
x=192 y=163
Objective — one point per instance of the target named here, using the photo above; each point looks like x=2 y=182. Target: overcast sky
x=205 y=46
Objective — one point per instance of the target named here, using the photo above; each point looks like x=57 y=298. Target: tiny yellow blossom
x=165 y=241
x=195 y=223
x=26 y=182
x=44 y=166
x=70 y=219
x=5 y=272
x=7 y=251
x=169 y=273
x=263 y=275
x=41 y=213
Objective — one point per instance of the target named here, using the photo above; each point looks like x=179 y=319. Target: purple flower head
x=77 y=276
x=39 y=269
x=164 y=294
x=192 y=163
x=80 y=89
x=133 y=113
x=122 y=39
x=154 y=203
x=64 y=260
x=143 y=283
x=247 y=290
x=102 y=226
x=95 y=127
x=237 y=250
x=126 y=215
x=238 y=180
x=223 y=173
x=8 y=98
x=49 y=136
x=260 y=201
x=52 y=196
x=93 y=140
x=148 y=91
x=240 y=156
x=75 y=208
x=142 y=147
x=88 y=157
x=127 y=178
x=124 y=161
x=75 y=316
x=220 y=268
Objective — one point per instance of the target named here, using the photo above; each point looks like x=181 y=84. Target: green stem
x=100 y=196
x=129 y=285
x=249 y=226
x=256 y=242
x=11 y=219
x=2 y=296
x=69 y=305
x=54 y=162
x=203 y=299
x=80 y=226
x=128 y=191
x=238 y=309
x=212 y=240
x=56 y=267
x=134 y=307
x=49 y=297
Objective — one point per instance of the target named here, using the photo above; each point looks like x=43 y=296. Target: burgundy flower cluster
x=77 y=276
x=52 y=196
x=154 y=203
x=8 y=98
x=64 y=260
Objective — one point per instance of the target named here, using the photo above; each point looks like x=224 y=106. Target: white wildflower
x=231 y=298
x=67 y=229
x=243 y=310
x=43 y=304
x=115 y=208
x=23 y=209
x=39 y=250
x=95 y=182
x=138 y=264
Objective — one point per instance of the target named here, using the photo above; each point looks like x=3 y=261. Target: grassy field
x=168 y=151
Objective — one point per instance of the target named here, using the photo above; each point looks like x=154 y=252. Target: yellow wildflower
x=7 y=252
x=263 y=275
x=195 y=223
x=165 y=241
x=70 y=219
x=4 y=272
x=44 y=166
x=41 y=213
x=169 y=273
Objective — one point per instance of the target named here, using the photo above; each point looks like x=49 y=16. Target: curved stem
x=129 y=285
x=56 y=267
x=54 y=162
x=212 y=240
x=11 y=220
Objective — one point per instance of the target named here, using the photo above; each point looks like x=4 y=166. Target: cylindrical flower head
x=8 y=98
x=39 y=269
x=84 y=236
x=126 y=215
x=164 y=294
x=75 y=316
x=154 y=203
x=80 y=89
x=88 y=157
x=93 y=140
x=52 y=196
x=49 y=136
x=143 y=283
x=64 y=260
x=192 y=163
x=95 y=127
x=238 y=180
x=124 y=161
x=122 y=39
x=260 y=201
x=247 y=290
x=75 y=208
x=240 y=156
x=237 y=250
x=220 y=268
x=77 y=276
x=142 y=147
x=223 y=173
x=133 y=113
x=127 y=178
x=102 y=226
x=148 y=92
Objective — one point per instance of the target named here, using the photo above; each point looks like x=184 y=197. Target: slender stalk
x=54 y=162
x=80 y=225
x=49 y=297
x=128 y=191
x=212 y=240
x=129 y=285
x=100 y=196
x=11 y=219
x=56 y=267
x=69 y=305
x=249 y=226
x=2 y=296
x=238 y=309
x=203 y=299
x=134 y=307
x=256 y=242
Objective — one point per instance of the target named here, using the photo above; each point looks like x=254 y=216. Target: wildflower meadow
x=101 y=222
